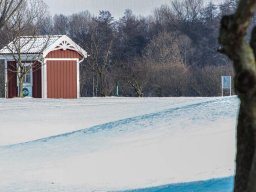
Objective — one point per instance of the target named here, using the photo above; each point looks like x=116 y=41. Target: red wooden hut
x=55 y=67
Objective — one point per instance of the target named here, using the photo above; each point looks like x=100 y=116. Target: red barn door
x=62 y=79
x=37 y=80
x=12 y=79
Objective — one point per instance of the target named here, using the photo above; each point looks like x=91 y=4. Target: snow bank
x=125 y=143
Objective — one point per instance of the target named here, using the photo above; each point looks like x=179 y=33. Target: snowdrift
x=125 y=143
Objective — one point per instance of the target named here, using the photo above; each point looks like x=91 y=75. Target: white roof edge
x=30 y=44
x=40 y=36
x=72 y=46
x=25 y=57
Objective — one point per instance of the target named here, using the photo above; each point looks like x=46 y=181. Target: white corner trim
x=61 y=59
x=43 y=79
x=45 y=96
x=78 y=79
x=44 y=74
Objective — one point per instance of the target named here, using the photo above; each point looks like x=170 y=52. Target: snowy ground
x=106 y=144
x=212 y=185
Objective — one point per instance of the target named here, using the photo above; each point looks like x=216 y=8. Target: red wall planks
x=37 y=80
x=61 y=76
x=62 y=79
x=64 y=54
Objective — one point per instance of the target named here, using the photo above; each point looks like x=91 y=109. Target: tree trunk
x=137 y=88
x=20 y=87
x=101 y=86
x=232 y=38
x=102 y=83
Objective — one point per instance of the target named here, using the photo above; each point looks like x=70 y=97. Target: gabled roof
x=42 y=45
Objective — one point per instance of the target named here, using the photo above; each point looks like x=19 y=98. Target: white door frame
x=44 y=74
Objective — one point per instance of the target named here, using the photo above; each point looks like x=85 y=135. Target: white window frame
x=31 y=73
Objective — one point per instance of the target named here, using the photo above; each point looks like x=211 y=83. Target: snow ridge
x=184 y=142
x=122 y=125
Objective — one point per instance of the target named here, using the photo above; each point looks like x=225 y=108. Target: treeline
x=173 y=52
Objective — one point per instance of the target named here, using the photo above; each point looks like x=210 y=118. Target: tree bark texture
x=234 y=44
x=20 y=87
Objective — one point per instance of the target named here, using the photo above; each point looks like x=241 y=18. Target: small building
x=53 y=67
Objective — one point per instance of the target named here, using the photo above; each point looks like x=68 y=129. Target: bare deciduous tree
x=8 y=9
x=137 y=76
x=22 y=33
x=164 y=48
x=2 y=79
x=61 y=24
x=188 y=9
x=100 y=51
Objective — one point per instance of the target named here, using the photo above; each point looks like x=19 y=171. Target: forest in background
x=172 y=52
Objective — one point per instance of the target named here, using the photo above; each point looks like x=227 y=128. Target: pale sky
x=116 y=7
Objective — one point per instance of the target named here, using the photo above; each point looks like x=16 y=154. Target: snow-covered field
x=108 y=144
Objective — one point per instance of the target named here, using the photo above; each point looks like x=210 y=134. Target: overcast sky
x=116 y=7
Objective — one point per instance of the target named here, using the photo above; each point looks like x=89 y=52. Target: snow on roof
x=29 y=44
x=41 y=45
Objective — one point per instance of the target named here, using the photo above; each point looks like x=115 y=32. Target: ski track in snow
x=209 y=116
